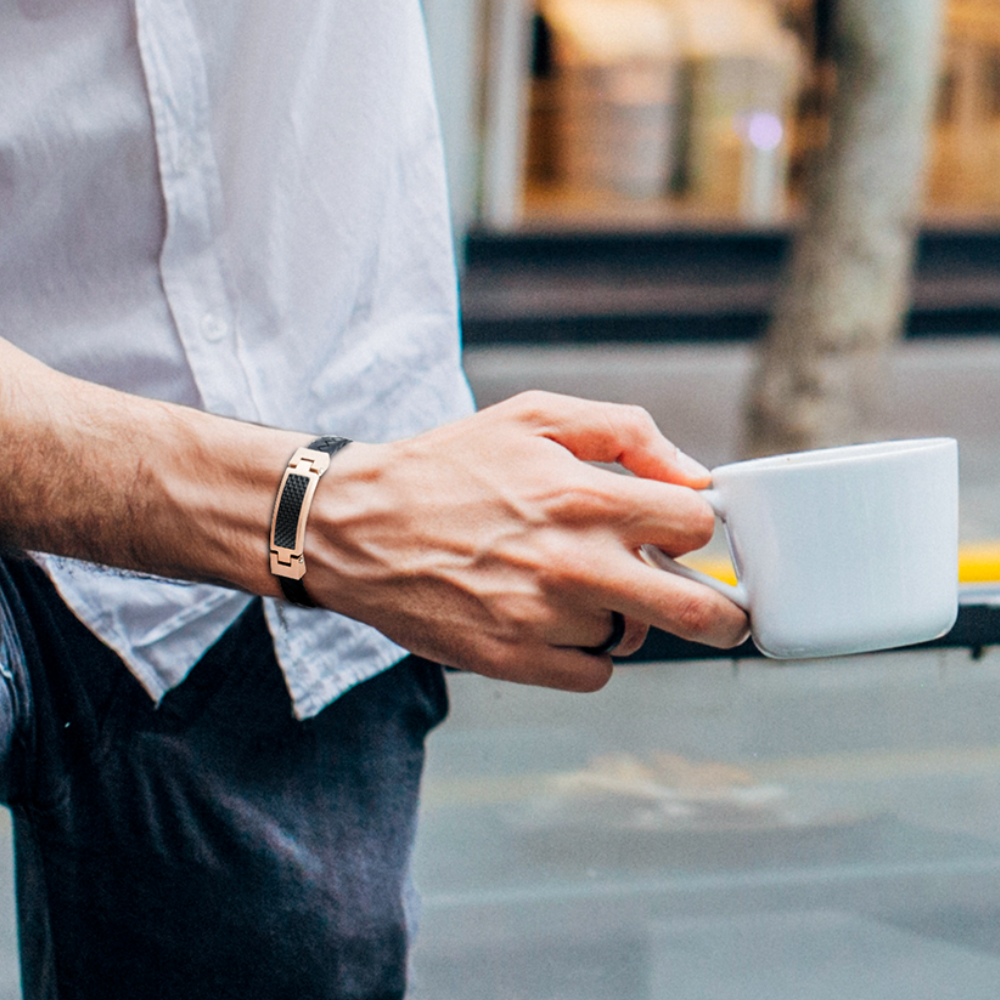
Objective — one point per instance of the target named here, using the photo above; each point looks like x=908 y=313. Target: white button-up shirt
x=240 y=207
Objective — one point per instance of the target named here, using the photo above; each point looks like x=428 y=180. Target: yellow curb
x=978 y=562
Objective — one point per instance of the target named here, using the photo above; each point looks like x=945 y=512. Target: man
x=216 y=221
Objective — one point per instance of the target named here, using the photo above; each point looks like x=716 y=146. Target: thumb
x=612 y=433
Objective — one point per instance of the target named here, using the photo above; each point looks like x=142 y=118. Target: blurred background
x=689 y=204
x=677 y=203
x=628 y=113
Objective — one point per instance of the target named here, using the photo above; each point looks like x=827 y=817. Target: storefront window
x=675 y=111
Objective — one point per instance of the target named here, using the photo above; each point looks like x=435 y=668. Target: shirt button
x=213 y=328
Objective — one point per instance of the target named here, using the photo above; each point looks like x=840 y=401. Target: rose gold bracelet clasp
x=300 y=479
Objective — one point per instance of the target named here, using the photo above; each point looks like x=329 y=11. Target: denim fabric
x=13 y=695
x=213 y=847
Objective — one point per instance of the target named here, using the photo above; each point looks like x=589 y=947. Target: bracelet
x=291 y=511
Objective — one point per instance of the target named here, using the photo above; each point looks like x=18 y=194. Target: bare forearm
x=490 y=544
x=97 y=474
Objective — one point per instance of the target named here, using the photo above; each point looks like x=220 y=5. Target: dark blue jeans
x=213 y=847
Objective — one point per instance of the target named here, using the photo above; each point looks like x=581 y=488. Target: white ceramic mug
x=841 y=550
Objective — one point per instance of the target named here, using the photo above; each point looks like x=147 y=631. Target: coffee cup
x=840 y=550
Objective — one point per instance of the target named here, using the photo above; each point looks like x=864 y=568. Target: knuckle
x=532 y=405
x=695 y=615
x=633 y=420
x=702 y=523
x=640 y=416
x=512 y=615
x=523 y=617
x=579 y=503
x=559 y=564
x=693 y=517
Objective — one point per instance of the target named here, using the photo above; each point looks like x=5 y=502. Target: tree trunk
x=847 y=285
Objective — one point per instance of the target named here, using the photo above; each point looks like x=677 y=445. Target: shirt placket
x=192 y=267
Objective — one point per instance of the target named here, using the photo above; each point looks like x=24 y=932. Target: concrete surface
x=873 y=874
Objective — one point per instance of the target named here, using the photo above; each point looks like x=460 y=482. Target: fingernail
x=687 y=464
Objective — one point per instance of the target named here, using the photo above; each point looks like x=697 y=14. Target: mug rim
x=850 y=453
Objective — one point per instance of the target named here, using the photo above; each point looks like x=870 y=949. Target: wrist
x=217 y=487
x=291 y=515
x=342 y=537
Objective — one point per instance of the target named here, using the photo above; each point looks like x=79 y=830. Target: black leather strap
x=328 y=443
x=295 y=592
x=287 y=519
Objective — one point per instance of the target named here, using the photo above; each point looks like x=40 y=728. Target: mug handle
x=736 y=593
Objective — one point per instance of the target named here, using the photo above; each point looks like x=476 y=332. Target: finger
x=611 y=432
x=585 y=629
x=634 y=638
x=675 y=518
x=567 y=669
x=675 y=604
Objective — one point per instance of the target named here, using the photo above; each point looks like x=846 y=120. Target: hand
x=492 y=544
